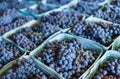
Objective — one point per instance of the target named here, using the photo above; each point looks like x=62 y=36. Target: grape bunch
x=69 y=58
x=17 y=22
x=11 y=19
x=94 y=1
x=96 y=32
x=41 y=8
x=8 y=16
x=9 y=4
x=24 y=69
x=86 y=8
x=42 y=32
x=58 y=2
x=8 y=52
x=22 y=41
x=18 y=4
x=29 y=38
x=110 y=70
x=79 y=27
x=109 y=13
x=44 y=7
x=61 y=19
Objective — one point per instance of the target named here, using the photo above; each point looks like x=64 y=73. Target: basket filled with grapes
x=59 y=39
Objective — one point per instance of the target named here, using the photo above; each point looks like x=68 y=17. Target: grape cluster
x=42 y=8
x=23 y=41
x=97 y=32
x=18 y=4
x=30 y=38
x=110 y=70
x=86 y=8
x=8 y=16
x=9 y=4
x=8 y=52
x=61 y=19
x=109 y=13
x=79 y=27
x=14 y=24
x=69 y=58
x=58 y=2
x=94 y=1
x=42 y=31
x=24 y=69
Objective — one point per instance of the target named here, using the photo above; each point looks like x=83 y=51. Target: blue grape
x=21 y=71
x=8 y=52
x=86 y=8
x=65 y=57
x=111 y=69
x=58 y=2
x=110 y=13
x=96 y=32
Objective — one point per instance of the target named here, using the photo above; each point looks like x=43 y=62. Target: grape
x=61 y=19
x=94 y=1
x=23 y=41
x=68 y=58
x=14 y=24
x=8 y=52
x=58 y=2
x=30 y=38
x=86 y=8
x=42 y=8
x=8 y=16
x=96 y=32
x=111 y=70
x=11 y=20
x=24 y=69
x=109 y=13
x=9 y=4
x=79 y=27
